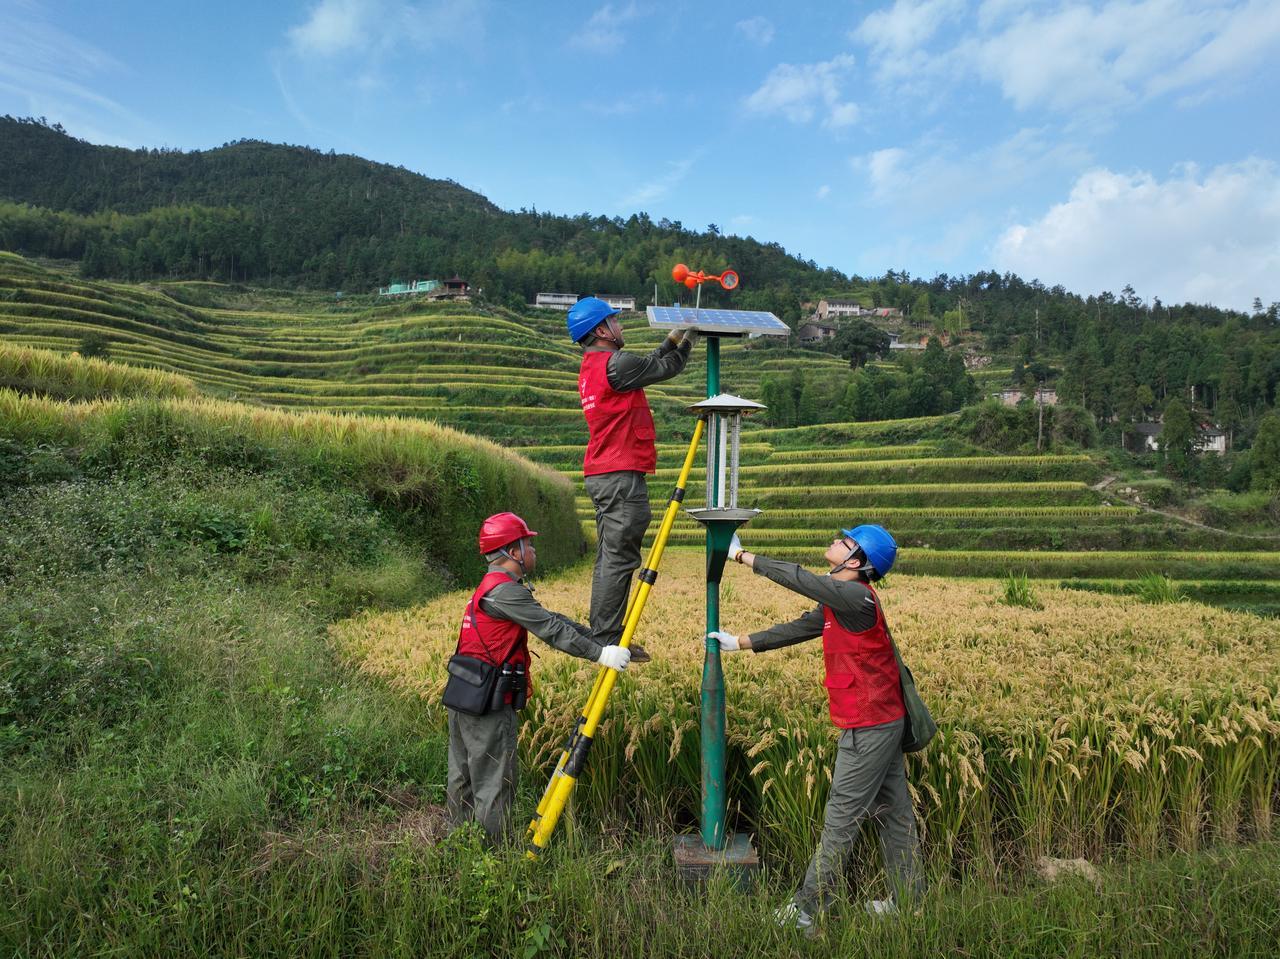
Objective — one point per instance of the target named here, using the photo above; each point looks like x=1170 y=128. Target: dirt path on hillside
x=1106 y=481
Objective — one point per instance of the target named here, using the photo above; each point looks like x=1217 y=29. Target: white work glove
x=690 y=337
x=614 y=657
x=735 y=548
x=728 y=642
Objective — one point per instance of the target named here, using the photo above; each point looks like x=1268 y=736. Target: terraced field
x=513 y=379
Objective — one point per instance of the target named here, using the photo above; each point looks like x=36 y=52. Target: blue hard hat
x=588 y=313
x=876 y=545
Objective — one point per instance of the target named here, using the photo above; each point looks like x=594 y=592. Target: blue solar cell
x=717 y=321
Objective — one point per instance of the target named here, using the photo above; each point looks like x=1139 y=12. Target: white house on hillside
x=1212 y=440
x=556 y=301
x=618 y=301
x=1209 y=438
x=827 y=309
x=1013 y=396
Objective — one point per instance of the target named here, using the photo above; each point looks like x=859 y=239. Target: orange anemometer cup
x=682 y=274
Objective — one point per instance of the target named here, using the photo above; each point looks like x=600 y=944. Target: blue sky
x=1090 y=144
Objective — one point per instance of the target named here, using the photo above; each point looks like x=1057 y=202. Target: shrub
x=93 y=345
x=62 y=659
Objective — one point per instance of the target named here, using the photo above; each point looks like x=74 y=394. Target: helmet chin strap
x=616 y=341
x=843 y=565
x=519 y=562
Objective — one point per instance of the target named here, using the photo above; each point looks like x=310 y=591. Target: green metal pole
x=713 y=744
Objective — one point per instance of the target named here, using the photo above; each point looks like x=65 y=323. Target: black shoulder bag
x=478 y=687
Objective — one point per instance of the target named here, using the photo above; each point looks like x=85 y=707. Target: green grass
x=438 y=484
x=824 y=470
x=1261 y=598
x=1018 y=592
x=836 y=434
x=1157 y=588
x=188 y=770
x=170 y=703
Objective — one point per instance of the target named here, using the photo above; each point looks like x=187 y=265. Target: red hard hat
x=500 y=529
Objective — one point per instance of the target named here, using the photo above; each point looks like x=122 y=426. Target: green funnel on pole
x=721 y=523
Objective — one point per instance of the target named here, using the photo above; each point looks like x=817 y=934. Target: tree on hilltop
x=859 y=341
x=1266 y=454
x=1177 y=438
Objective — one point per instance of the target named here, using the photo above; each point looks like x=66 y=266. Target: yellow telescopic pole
x=574 y=756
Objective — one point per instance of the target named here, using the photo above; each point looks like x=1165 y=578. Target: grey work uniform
x=869 y=779
x=621 y=498
x=482 y=749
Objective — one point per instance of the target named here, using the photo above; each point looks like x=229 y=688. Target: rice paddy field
x=206 y=762
x=1093 y=724
x=513 y=379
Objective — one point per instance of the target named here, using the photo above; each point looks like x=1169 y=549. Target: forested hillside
x=285 y=214
x=272 y=214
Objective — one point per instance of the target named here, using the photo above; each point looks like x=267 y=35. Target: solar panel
x=716 y=321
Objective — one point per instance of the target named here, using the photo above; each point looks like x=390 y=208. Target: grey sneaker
x=881 y=907
x=791 y=916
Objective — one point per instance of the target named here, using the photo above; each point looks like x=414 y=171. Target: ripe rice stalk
x=1095 y=721
x=74 y=377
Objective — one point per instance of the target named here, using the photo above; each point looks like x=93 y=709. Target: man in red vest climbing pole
x=866 y=703
x=620 y=450
x=495 y=630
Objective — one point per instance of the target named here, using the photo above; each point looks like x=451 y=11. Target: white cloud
x=603 y=31
x=906 y=26
x=884 y=170
x=756 y=29
x=1071 y=56
x=1245 y=39
x=933 y=176
x=824 y=191
x=1200 y=237
x=802 y=92
x=335 y=27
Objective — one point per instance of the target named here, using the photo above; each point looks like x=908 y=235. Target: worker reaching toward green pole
x=621 y=450
x=873 y=703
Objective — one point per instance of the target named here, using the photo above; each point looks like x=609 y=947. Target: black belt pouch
x=469 y=688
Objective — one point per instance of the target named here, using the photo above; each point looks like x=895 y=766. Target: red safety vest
x=861 y=672
x=486 y=637
x=620 y=424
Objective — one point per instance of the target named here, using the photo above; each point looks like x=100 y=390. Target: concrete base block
x=696 y=863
